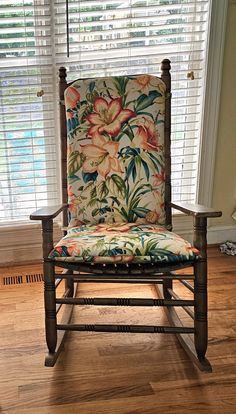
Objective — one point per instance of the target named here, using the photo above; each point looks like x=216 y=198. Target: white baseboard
x=215 y=234
x=220 y=234
x=23 y=244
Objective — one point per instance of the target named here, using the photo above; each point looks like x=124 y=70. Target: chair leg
x=200 y=309
x=69 y=284
x=167 y=284
x=55 y=340
x=195 y=347
x=50 y=307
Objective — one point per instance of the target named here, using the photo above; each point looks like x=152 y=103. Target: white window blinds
x=27 y=137
x=106 y=37
x=132 y=36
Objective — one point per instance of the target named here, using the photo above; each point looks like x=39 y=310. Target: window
x=27 y=135
x=107 y=37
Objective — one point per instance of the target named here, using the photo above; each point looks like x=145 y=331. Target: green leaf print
x=146 y=100
x=102 y=190
x=120 y=83
x=141 y=211
x=75 y=161
x=119 y=183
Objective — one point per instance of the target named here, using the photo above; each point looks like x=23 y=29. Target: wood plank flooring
x=116 y=373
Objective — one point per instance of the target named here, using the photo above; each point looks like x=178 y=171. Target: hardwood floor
x=116 y=373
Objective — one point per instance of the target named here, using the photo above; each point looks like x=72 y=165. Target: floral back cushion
x=116 y=165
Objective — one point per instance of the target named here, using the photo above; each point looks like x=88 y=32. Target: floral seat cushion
x=123 y=243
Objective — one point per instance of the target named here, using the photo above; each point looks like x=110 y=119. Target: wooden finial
x=62 y=73
x=165 y=73
x=165 y=66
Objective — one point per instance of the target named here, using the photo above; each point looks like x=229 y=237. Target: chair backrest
x=117 y=141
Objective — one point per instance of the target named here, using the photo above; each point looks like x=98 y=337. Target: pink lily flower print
x=159 y=178
x=101 y=156
x=147 y=136
x=72 y=97
x=143 y=83
x=107 y=117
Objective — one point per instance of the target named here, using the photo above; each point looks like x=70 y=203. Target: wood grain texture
x=116 y=373
x=196 y=209
x=49 y=212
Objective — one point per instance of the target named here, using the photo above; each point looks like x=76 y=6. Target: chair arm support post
x=200 y=235
x=47 y=233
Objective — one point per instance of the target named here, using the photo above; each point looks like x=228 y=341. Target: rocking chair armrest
x=47 y=213
x=196 y=210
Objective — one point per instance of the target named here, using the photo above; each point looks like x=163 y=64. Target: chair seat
x=123 y=243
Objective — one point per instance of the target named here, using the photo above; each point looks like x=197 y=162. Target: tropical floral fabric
x=116 y=168
x=123 y=243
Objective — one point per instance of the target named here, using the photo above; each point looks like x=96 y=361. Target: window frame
x=215 y=60
x=211 y=107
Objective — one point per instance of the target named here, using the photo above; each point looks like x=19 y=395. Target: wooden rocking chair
x=116 y=196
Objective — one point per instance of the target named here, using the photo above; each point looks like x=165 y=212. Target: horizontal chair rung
x=145 y=280
x=126 y=328
x=93 y=277
x=65 y=294
x=124 y=302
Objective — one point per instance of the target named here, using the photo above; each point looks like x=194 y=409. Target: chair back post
x=165 y=76
x=63 y=137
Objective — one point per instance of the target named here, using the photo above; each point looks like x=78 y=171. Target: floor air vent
x=37 y=277
x=12 y=280
x=19 y=279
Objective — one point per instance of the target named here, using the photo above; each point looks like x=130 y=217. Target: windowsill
x=22 y=242
x=29 y=224
x=19 y=225
x=32 y=229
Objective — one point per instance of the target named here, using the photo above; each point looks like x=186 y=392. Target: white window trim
x=182 y=224
x=212 y=100
x=216 y=41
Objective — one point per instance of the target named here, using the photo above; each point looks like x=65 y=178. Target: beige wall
x=224 y=190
